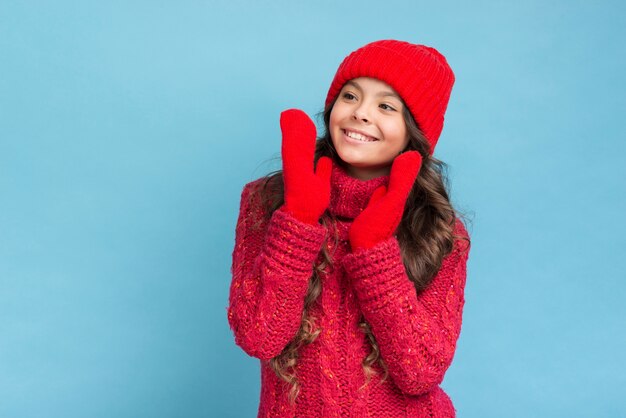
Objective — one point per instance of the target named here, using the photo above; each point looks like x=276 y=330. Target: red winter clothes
x=417 y=334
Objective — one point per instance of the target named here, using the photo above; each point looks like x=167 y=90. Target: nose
x=360 y=114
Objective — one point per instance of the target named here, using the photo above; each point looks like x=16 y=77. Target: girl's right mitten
x=307 y=188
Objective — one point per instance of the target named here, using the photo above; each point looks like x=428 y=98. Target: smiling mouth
x=358 y=137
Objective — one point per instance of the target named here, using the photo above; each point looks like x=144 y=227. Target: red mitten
x=380 y=219
x=307 y=189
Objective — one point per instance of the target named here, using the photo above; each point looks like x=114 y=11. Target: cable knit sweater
x=416 y=333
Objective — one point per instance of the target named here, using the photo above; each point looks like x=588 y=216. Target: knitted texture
x=418 y=73
x=416 y=333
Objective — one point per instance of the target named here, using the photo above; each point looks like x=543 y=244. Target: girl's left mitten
x=380 y=219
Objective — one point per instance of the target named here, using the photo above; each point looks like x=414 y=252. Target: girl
x=349 y=265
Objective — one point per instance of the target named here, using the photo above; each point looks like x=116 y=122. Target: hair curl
x=425 y=235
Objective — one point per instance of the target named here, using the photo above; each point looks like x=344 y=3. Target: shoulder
x=462 y=239
x=256 y=198
x=454 y=262
x=253 y=187
x=251 y=200
x=253 y=192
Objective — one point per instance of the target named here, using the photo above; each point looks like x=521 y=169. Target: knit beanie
x=418 y=73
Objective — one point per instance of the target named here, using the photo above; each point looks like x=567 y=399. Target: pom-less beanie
x=418 y=73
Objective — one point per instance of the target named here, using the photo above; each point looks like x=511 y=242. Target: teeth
x=359 y=137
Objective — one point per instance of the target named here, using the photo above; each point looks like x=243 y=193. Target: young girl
x=349 y=265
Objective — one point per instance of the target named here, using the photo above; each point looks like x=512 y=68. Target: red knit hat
x=418 y=73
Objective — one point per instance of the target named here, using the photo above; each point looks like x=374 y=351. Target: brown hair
x=425 y=235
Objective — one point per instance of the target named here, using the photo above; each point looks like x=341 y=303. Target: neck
x=350 y=195
x=367 y=173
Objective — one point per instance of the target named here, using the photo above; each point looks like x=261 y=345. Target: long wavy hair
x=425 y=235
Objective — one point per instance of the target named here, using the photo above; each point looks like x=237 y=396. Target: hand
x=307 y=189
x=380 y=219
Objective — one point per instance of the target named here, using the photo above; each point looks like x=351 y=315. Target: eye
x=385 y=106
x=348 y=96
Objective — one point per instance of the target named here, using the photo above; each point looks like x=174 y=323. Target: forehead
x=372 y=85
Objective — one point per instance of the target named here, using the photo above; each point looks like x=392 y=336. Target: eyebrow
x=384 y=93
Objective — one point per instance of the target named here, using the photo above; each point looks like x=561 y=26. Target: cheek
x=333 y=116
x=405 y=140
x=398 y=135
x=332 y=127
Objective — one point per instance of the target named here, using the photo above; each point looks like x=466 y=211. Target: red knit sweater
x=416 y=333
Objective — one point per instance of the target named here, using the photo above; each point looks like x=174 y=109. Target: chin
x=354 y=161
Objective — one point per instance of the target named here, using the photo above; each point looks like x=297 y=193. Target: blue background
x=128 y=128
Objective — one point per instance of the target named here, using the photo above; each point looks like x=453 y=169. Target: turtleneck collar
x=349 y=195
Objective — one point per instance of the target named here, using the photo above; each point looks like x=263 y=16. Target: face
x=367 y=127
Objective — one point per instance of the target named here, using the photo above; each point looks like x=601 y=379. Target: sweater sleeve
x=416 y=333
x=271 y=266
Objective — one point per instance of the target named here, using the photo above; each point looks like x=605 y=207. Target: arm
x=416 y=334
x=272 y=264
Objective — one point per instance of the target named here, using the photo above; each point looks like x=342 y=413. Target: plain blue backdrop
x=128 y=128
